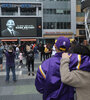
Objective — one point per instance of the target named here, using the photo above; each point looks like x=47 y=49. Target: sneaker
x=28 y=73
x=32 y=73
x=14 y=81
x=19 y=67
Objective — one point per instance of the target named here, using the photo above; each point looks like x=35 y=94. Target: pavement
x=24 y=88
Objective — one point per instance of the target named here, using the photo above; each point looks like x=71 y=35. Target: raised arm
x=68 y=77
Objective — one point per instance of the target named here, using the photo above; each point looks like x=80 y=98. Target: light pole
x=85 y=6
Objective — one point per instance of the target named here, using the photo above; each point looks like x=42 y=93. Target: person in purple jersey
x=76 y=78
x=10 y=64
x=48 y=78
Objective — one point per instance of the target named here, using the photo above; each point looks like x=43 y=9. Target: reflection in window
x=9 y=10
x=56 y=11
x=28 y=11
x=57 y=25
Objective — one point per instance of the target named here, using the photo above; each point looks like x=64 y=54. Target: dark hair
x=10 y=48
x=81 y=49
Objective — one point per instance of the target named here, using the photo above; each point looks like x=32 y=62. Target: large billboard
x=21 y=27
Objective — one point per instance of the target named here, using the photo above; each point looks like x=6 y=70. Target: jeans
x=30 y=62
x=17 y=54
x=42 y=56
x=36 y=56
x=8 y=71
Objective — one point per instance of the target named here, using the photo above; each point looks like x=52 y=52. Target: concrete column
x=73 y=16
x=0 y=11
x=44 y=41
x=19 y=42
x=37 y=13
x=18 y=10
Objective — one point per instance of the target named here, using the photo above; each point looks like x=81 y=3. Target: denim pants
x=36 y=56
x=12 y=68
x=17 y=54
x=30 y=62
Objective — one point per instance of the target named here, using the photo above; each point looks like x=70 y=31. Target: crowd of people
x=65 y=67
x=28 y=51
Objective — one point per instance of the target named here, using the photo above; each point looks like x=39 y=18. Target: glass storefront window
x=57 y=25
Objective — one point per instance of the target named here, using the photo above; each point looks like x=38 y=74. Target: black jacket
x=30 y=55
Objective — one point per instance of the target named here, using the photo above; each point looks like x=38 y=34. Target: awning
x=27 y=39
x=80 y=36
x=8 y=39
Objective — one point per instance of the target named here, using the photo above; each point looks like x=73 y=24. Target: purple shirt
x=48 y=79
x=10 y=58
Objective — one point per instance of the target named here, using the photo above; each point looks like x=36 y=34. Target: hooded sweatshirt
x=10 y=58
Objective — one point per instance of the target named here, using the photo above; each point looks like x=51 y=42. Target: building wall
x=79 y=18
x=71 y=5
x=54 y=4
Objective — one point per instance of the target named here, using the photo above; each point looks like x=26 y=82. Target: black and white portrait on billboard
x=10 y=30
x=21 y=27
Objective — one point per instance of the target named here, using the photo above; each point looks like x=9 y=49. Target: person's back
x=30 y=55
x=83 y=91
x=10 y=64
x=48 y=79
x=79 y=79
x=10 y=58
x=83 y=88
x=35 y=49
x=42 y=49
x=30 y=61
x=51 y=86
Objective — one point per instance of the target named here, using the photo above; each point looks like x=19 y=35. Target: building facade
x=80 y=21
x=58 y=17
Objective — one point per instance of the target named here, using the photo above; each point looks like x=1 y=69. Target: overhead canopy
x=27 y=39
x=8 y=40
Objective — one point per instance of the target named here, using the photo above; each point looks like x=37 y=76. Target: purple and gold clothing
x=48 y=79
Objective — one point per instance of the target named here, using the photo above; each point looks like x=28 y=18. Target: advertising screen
x=21 y=27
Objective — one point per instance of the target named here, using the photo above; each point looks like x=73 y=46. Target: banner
x=21 y=27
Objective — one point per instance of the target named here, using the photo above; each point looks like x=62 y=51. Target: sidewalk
x=23 y=89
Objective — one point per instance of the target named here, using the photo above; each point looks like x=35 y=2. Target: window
x=81 y=32
x=9 y=9
x=39 y=8
x=28 y=11
x=57 y=25
x=78 y=2
x=68 y=11
x=79 y=14
x=56 y=11
x=68 y=25
x=80 y=26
